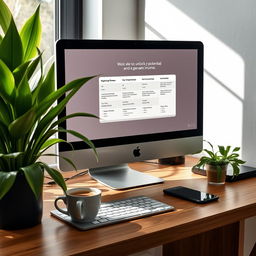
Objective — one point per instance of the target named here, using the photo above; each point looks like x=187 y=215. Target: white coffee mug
x=82 y=204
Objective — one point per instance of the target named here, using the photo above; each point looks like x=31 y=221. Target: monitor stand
x=122 y=177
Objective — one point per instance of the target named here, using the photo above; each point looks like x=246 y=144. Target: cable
x=52 y=182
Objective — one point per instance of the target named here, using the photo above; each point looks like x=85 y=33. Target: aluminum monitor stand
x=122 y=177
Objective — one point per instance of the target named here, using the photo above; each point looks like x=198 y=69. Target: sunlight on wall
x=224 y=70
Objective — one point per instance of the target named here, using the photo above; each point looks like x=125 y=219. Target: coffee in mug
x=83 y=193
x=82 y=204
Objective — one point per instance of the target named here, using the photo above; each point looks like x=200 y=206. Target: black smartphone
x=191 y=194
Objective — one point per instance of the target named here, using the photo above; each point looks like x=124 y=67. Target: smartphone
x=191 y=194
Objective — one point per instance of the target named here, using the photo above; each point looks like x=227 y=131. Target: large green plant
x=28 y=112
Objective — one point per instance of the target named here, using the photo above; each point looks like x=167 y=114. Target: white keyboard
x=118 y=211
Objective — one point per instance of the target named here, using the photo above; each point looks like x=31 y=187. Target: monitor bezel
x=64 y=44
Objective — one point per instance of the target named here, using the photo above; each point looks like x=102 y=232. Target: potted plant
x=28 y=121
x=216 y=163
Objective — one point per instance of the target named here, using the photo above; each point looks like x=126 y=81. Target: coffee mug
x=82 y=204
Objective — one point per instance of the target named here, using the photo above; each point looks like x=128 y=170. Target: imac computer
x=148 y=96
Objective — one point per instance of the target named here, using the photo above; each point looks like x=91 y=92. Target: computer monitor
x=148 y=96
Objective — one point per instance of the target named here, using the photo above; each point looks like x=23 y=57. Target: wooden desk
x=212 y=229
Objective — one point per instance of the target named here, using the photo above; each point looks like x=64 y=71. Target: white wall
x=92 y=19
x=227 y=29
x=119 y=19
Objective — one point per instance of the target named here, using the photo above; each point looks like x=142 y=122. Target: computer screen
x=147 y=94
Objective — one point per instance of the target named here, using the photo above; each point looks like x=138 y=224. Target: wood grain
x=220 y=241
x=53 y=237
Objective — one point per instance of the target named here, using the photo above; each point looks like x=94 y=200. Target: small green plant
x=27 y=108
x=223 y=156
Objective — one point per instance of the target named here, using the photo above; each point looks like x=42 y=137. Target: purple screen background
x=103 y=62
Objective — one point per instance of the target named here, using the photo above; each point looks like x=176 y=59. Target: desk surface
x=237 y=201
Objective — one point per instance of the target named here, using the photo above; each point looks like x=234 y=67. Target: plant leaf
x=239 y=161
x=236 y=169
x=227 y=150
x=210 y=145
x=65 y=158
x=33 y=65
x=211 y=154
x=28 y=68
x=35 y=176
x=78 y=114
x=4 y=113
x=52 y=114
x=51 y=142
x=56 y=176
x=19 y=72
x=6 y=181
x=7 y=85
x=11 y=159
x=31 y=35
x=11 y=51
x=4 y=137
x=48 y=85
x=5 y=16
x=233 y=155
x=202 y=161
x=50 y=99
x=23 y=101
x=38 y=83
x=35 y=144
x=82 y=137
x=222 y=150
x=23 y=124
x=236 y=149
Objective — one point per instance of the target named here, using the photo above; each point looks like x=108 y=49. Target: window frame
x=68 y=19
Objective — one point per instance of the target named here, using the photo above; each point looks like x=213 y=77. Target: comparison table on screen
x=128 y=98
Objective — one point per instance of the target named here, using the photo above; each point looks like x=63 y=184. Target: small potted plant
x=216 y=163
x=28 y=121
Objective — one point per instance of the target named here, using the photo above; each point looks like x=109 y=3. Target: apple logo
x=136 y=152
